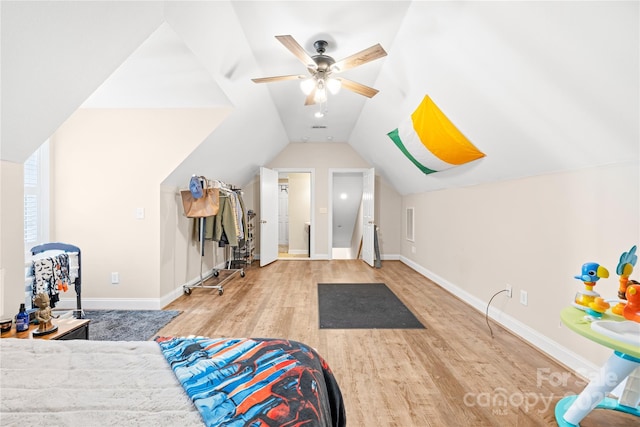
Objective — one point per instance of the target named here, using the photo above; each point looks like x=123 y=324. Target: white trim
x=297 y=251
x=555 y=350
x=321 y=257
x=111 y=304
x=133 y=303
x=390 y=257
x=167 y=299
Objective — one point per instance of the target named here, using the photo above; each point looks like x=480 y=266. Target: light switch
x=139 y=213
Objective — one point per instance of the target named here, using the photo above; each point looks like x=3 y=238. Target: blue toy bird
x=592 y=272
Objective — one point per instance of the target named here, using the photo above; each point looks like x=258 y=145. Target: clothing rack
x=223 y=188
x=75 y=263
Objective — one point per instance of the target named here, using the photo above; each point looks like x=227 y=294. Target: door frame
x=312 y=203
x=336 y=171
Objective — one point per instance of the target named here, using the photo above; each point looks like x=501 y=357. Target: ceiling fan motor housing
x=323 y=62
x=320 y=46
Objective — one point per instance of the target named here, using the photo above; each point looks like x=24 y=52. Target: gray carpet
x=362 y=306
x=127 y=325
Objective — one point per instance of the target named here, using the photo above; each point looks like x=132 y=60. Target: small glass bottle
x=22 y=319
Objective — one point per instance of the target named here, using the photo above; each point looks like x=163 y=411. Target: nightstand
x=68 y=329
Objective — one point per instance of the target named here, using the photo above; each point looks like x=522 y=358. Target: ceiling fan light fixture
x=321 y=95
x=321 y=67
x=321 y=92
x=334 y=85
x=307 y=85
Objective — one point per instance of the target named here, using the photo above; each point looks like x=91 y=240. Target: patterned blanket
x=255 y=382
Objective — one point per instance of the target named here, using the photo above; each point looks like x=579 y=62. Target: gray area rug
x=127 y=325
x=362 y=306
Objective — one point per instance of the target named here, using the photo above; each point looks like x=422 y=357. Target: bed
x=190 y=381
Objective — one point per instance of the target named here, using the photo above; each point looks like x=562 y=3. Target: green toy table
x=622 y=364
x=574 y=319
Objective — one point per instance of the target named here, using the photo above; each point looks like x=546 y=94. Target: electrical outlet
x=115 y=278
x=524 y=298
x=509 y=290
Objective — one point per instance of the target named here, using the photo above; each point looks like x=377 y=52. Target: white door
x=283 y=216
x=368 y=203
x=268 y=216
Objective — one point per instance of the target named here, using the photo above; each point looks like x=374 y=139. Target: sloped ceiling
x=540 y=87
x=53 y=56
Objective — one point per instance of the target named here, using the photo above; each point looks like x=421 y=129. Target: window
x=36 y=208
x=410 y=224
x=36 y=197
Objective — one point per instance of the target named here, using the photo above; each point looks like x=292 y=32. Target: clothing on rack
x=227 y=219
x=50 y=276
x=228 y=226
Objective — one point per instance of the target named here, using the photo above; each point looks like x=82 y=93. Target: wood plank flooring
x=450 y=374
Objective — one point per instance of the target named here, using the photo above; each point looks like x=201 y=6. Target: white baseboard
x=297 y=251
x=178 y=291
x=111 y=304
x=390 y=257
x=132 y=303
x=543 y=343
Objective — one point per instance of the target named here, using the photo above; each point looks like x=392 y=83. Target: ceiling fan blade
x=360 y=58
x=311 y=98
x=358 y=88
x=278 y=78
x=290 y=43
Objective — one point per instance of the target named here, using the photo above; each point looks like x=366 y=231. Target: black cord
x=486 y=315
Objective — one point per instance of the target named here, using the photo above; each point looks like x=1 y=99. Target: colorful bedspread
x=255 y=382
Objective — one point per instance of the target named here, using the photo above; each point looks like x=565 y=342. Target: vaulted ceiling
x=540 y=87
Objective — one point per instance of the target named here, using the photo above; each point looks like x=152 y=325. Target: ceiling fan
x=323 y=68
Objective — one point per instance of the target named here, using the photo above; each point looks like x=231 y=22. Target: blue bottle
x=22 y=319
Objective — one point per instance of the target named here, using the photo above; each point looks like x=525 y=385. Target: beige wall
x=534 y=234
x=11 y=238
x=107 y=164
x=388 y=213
x=325 y=156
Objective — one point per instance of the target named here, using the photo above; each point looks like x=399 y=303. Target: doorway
x=346 y=214
x=294 y=214
x=351 y=201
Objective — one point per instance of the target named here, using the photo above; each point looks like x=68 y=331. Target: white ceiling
x=540 y=87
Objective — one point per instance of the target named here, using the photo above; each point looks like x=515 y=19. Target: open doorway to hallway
x=346 y=214
x=294 y=215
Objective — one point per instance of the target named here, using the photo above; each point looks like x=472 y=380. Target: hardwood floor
x=450 y=374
